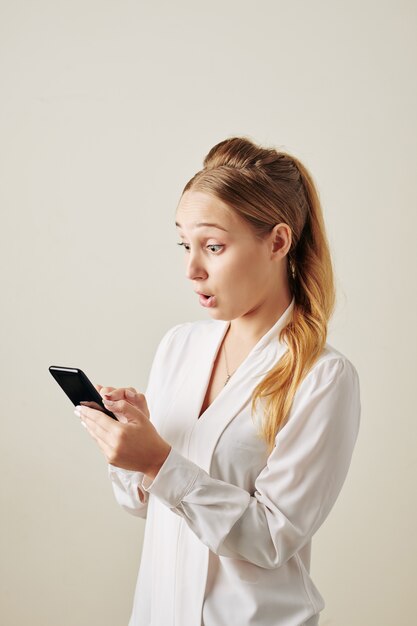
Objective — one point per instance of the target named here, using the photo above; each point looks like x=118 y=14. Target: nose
x=194 y=266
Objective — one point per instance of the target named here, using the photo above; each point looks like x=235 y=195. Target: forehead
x=196 y=207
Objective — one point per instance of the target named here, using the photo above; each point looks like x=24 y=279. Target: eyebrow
x=205 y=224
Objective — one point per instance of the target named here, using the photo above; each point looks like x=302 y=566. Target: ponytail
x=266 y=187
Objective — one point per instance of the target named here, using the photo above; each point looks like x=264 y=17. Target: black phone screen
x=79 y=389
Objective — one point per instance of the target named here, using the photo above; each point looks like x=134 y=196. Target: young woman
x=239 y=447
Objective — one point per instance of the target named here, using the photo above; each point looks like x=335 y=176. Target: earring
x=292 y=267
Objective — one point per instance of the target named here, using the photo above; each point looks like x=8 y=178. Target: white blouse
x=228 y=527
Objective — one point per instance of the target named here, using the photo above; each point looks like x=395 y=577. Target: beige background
x=106 y=109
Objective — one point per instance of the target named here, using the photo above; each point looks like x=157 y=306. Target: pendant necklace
x=227 y=369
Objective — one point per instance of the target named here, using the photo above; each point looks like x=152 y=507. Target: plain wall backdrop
x=107 y=108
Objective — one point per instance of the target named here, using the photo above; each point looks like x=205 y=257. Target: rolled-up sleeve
x=294 y=492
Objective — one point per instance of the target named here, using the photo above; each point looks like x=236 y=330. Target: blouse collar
x=273 y=332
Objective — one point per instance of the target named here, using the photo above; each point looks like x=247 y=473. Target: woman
x=240 y=446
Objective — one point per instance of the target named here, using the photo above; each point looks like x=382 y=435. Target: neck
x=248 y=329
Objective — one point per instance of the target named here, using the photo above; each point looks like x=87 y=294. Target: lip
x=206 y=302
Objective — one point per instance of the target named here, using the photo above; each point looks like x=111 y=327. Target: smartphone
x=79 y=389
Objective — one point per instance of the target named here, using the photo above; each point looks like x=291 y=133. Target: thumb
x=138 y=400
x=136 y=417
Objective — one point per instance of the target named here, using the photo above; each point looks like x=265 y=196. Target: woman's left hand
x=133 y=443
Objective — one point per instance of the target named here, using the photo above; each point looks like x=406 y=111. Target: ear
x=280 y=240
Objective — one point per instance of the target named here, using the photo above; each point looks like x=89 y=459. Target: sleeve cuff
x=174 y=480
x=126 y=484
x=123 y=474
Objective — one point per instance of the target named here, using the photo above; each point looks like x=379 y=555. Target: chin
x=220 y=314
x=216 y=315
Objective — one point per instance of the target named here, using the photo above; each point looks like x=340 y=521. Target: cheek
x=248 y=268
x=242 y=275
x=232 y=273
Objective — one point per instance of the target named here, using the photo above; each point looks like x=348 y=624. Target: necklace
x=227 y=369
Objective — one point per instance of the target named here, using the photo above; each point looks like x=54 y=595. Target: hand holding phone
x=79 y=389
x=144 y=450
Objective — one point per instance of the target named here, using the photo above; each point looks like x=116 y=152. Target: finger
x=98 y=387
x=112 y=393
x=122 y=408
x=137 y=399
x=106 y=390
x=93 y=415
x=123 y=393
x=97 y=431
x=130 y=393
x=102 y=443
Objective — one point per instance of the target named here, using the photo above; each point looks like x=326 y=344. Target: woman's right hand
x=129 y=394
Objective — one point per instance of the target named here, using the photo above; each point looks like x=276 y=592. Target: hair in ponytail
x=266 y=187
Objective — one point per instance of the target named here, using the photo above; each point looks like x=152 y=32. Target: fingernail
x=83 y=424
x=130 y=393
x=77 y=411
x=108 y=402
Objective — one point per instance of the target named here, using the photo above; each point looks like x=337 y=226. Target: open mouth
x=207 y=300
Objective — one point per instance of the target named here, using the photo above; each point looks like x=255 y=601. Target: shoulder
x=332 y=368
x=329 y=395
x=332 y=359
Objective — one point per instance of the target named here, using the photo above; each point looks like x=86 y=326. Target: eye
x=186 y=246
x=215 y=245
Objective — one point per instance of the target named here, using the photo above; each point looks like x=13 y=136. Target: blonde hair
x=266 y=187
